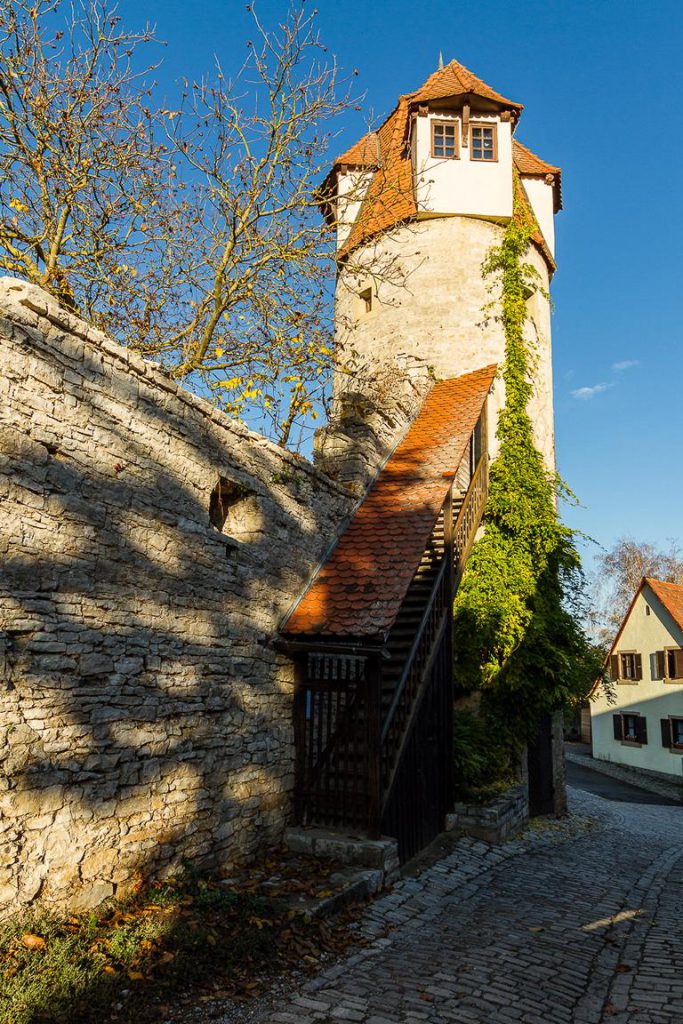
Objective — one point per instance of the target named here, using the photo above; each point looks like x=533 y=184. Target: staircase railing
x=469 y=516
x=434 y=627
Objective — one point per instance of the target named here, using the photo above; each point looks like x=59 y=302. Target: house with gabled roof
x=639 y=721
x=431 y=191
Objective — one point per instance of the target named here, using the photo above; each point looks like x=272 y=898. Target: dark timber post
x=374 y=745
x=540 y=761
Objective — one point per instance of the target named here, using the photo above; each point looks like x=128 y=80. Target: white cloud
x=625 y=364
x=586 y=393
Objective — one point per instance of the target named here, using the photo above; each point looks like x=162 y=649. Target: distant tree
x=618 y=573
x=191 y=233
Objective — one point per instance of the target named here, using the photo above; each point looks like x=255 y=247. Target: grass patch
x=132 y=959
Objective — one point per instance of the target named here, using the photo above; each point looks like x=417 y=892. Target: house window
x=366 y=300
x=630 y=728
x=670 y=663
x=674 y=663
x=444 y=140
x=672 y=733
x=629 y=666
x=626 y=667
x=677 y=732
x=483 y=142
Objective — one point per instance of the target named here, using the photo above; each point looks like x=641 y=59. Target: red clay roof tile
x=453 y=80
x=359 y=590
x=671 y=596
x=527 y=163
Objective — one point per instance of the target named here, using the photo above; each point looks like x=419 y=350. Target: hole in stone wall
x=234 y=510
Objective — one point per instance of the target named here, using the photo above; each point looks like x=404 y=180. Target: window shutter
x=639 y=666
x=618 y=731
x=659 y=655
x=614 y=667
x=641 y=729
x=678 y=658
x=666 y=733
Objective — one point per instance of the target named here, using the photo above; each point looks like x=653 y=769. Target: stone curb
x=632 y=776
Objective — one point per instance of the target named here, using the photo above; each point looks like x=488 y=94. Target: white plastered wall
x=477 y=188
x=654 y=698
x=542 y=202
x=351 y=189
x=438 y=314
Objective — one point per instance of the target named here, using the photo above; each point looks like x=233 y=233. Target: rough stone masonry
x=146 y=715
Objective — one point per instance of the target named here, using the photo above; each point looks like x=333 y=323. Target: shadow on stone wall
x=146 y=715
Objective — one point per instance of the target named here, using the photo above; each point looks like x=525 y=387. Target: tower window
x=483 y=142
x=445 y=140
x=366 y=300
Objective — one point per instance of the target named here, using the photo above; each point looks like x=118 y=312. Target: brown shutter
x=639 y=666
x=667 y=740
x=678 y=659
x=659 y=655
x=641 y=729
x=618 y=731
x=614 y=667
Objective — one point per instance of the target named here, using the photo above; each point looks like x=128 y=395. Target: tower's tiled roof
x=455 y=80
x=358 y=591
x=527 y=162
x=531 y=165
x=363 y=153
x=390 y=198
x=671 y=596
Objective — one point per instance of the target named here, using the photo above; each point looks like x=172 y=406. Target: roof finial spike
x=440 y=61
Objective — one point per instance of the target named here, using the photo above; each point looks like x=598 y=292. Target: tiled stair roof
x=358 y=592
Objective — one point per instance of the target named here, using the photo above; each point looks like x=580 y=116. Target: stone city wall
x=146 y=715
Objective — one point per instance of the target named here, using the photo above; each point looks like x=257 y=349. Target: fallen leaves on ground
x=212 y=938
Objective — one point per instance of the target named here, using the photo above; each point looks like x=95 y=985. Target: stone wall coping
x=32 y=306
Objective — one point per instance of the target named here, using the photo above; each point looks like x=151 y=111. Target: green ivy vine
x=518 y=636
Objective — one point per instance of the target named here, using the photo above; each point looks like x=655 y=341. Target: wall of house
x=439 y=314
x=652 y=697
x=462 y=185
x=145 y=714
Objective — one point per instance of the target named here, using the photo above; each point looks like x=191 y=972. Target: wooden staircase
x=373 y=726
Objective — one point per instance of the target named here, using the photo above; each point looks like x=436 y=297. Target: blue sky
x=601 y=83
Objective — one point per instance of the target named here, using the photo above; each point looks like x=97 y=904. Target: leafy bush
x=484 y=758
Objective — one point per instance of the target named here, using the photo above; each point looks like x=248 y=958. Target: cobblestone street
x=577 y=921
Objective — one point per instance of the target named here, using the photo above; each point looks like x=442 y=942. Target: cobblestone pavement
x=577 y=921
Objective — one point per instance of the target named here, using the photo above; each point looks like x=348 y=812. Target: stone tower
x=416 y=206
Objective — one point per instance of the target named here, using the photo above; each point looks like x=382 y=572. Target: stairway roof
x=358 y=591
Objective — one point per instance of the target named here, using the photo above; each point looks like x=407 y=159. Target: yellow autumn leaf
x=17 y=204
x=31 y=941
x=219 y=352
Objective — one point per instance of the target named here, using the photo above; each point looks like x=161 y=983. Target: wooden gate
x=422 y=790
